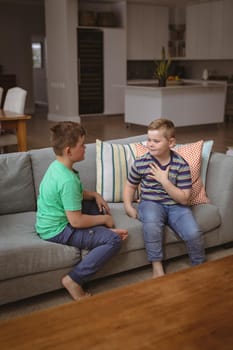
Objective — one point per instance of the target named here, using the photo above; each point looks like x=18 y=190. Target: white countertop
x=185 y=83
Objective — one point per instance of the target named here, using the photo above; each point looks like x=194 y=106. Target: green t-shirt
x=60 y=190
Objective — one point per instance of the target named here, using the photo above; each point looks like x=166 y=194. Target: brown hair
x=65 y=134
x=165 y=125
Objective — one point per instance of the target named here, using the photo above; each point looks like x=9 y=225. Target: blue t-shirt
x=60 y=190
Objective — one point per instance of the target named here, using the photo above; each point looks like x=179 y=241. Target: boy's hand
x=121 y=232
x=158 y=174
x=102 y=204
x=132 y=212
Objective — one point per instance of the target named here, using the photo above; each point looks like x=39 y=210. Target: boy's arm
x=89 y=195
x=101 y=203
x=179 y=195
x=128 y=196
x=79 y=220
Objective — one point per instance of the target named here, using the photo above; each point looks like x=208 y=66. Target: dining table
x=16 y=121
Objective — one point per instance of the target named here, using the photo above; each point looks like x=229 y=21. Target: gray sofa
x=31 y=266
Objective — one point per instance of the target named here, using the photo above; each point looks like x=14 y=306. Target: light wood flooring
x=113 y=127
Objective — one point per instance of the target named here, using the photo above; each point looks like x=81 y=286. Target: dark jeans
x=101 y=242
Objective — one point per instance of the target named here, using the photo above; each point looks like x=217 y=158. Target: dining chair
x=7 y=139
x=1 y=92
x=14 y=102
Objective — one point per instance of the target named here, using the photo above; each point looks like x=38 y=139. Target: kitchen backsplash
x=140 y=69
x=190 y=69
x=216 y=68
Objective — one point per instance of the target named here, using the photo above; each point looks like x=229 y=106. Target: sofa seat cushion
x=23 y=252
x=134 y=227
x=207 y=216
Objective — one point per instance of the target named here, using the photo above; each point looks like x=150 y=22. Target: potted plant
x=161 y=69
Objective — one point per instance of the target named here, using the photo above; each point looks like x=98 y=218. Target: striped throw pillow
x=113 y=162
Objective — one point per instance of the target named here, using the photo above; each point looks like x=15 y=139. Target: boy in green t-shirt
x=68 y=214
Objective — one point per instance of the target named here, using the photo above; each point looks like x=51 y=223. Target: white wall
x=61 y=22
x=18 y=24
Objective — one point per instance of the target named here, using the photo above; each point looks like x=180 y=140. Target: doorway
x=38 y=45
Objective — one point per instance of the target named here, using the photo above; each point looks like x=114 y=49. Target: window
x=37 y=55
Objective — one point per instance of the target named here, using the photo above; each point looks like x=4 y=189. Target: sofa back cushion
x=16 y=183
x=87 y=168
x=41 y=159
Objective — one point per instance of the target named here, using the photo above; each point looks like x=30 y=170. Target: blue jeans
x=101 y=242
x=155 y=216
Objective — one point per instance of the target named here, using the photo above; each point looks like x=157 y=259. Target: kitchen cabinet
x=200 y=34
x=191 y=31
x=216 y=30
x=209 y=30
x=134 y=31
x=102 y=13
x=147 y=31
x=227 y=41
x=203 y=30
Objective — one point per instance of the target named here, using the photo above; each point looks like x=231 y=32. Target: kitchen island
x=189 y=102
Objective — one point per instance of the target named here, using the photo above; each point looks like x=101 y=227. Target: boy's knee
x=193 y=235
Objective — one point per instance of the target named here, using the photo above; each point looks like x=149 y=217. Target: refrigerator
x=90 y=71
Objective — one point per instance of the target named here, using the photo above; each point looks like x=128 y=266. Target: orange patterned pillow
x=192 y=153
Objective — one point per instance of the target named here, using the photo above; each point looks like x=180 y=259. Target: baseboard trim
x=62 y=118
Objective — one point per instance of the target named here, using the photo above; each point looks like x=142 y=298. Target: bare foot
x=157 y=269
x=74 y=289
x=121 y=232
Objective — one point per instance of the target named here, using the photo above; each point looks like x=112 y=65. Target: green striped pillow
x=113 y=162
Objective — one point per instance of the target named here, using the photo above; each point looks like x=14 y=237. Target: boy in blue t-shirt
x=165 y=183
x=68 y=214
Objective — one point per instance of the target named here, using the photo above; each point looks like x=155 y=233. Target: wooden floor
x=191 y=309
x=112 y=127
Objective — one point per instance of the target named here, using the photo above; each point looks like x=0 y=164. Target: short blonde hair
x=166 y=125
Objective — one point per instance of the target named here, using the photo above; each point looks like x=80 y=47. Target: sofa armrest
x=219 y=188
